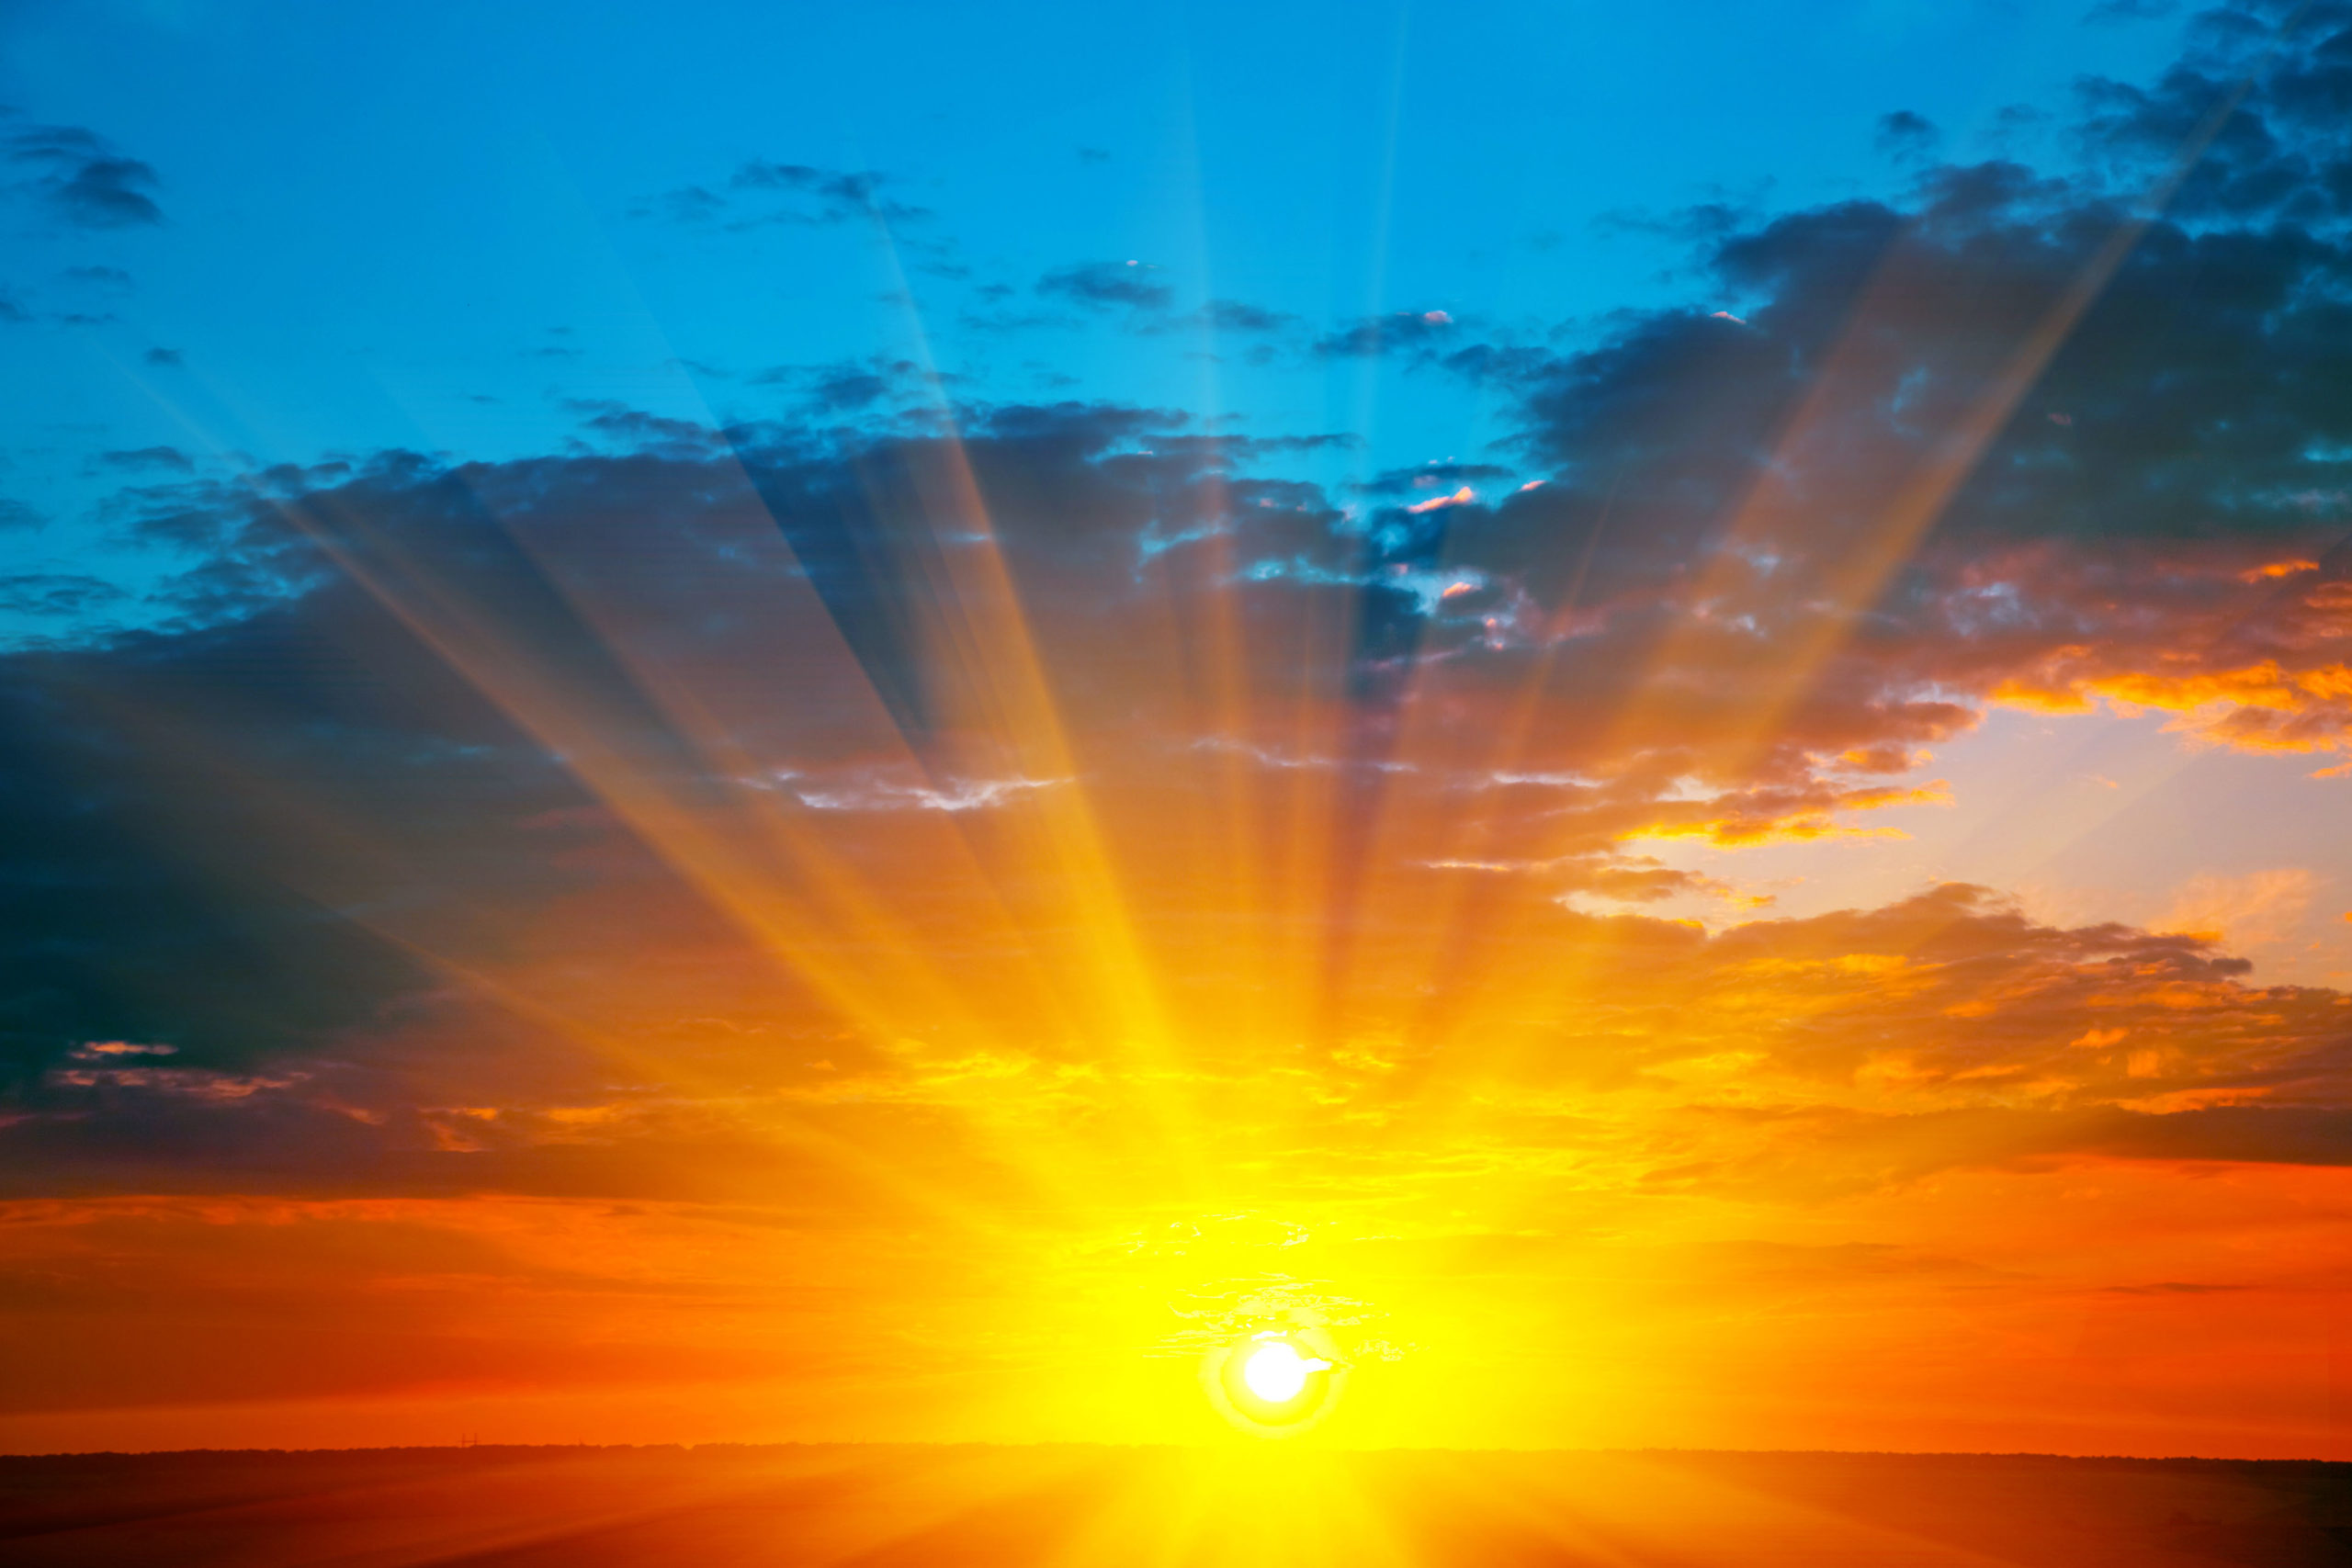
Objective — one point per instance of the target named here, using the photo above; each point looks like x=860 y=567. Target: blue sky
x=442 y=227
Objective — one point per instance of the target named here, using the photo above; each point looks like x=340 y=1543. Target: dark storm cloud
x=80 y=176
x=1101 y=284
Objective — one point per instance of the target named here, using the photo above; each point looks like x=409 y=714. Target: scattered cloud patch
x=879 y=791
x=1905 y=136
x=148 y=459
x=638 y=430
x=764 y=191
x=79 y=177
x=848 y=387
x=1398 y=331
x=1098 y=285
x=61 y=594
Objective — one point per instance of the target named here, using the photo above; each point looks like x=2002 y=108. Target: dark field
x=975 y=1507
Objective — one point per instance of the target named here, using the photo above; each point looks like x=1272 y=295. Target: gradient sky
x=733 y=722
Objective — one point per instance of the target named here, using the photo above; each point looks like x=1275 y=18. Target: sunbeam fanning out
x=1081 y=776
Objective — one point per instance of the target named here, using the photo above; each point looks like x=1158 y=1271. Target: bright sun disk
x=1275 y=1372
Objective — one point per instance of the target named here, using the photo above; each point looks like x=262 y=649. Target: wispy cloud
x=79 y=177
x=764 y=191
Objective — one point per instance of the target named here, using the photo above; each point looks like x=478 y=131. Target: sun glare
x=1276 y=1382
x=1276 y=1372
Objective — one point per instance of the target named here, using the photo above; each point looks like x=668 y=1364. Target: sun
x=1277 y=1373
x=1277 y=1382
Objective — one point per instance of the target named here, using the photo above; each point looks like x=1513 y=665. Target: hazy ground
x=973 y=1507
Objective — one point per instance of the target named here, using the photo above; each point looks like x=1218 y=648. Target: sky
x=753 y=722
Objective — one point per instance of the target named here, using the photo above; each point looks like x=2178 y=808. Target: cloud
x=833 y=185
x=1240 y=316
x=148 y=902
x=872 y=790
x=637 y=430
x=2173 y=1288
x=976 y=664
x=1399 y=331
x=1101 y=284
x=852 y=387
x=56 y=593
x=1906 y=135
x=80 y=176
x=151 y=459
x=1420 y=481
x=2255 y=909
x=2280 y=155
x=2128 y=529
x=107 y=1050
x=762 y=191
